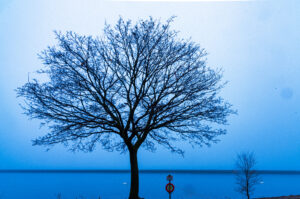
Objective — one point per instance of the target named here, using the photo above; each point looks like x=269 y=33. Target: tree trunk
x=248 y=195
x=247 y=188
x=134 y=184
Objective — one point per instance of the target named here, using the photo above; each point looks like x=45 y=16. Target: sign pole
x=170 y=192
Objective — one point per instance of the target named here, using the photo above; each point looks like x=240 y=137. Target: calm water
x=116 y=185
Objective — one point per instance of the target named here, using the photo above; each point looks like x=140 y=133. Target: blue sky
x=257 y=43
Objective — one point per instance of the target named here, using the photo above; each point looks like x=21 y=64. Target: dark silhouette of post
x=170 y=187
x=170 y=178
x=137 y=85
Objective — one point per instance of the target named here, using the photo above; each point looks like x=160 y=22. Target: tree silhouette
x=246 y=177
x=135 y=86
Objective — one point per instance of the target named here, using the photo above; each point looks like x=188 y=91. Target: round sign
x=170 y=187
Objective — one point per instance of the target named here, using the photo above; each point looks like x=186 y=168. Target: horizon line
x=182 y=0
x=191 y=171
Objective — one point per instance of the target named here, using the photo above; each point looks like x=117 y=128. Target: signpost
x=170 y=187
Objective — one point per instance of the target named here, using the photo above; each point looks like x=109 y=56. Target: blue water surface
x=152 y=186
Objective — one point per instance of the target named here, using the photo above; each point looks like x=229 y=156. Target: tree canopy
x=137 y=85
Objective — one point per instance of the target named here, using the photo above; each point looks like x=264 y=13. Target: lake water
x=152 y=185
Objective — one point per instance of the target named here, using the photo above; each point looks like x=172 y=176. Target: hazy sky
x=257 y=43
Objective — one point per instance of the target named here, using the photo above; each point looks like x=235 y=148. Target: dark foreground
x=283 y=197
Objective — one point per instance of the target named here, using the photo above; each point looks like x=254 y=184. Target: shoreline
x=282 y=197
x=183 y=171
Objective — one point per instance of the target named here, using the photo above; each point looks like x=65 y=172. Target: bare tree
x=246 y=177
x=135 y=86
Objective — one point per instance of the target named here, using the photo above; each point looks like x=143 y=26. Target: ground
x=283 y=197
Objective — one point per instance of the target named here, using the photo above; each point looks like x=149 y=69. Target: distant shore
x=204 y=171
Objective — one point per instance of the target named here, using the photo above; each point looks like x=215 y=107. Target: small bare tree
x=136 y=86
x=246 y=177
